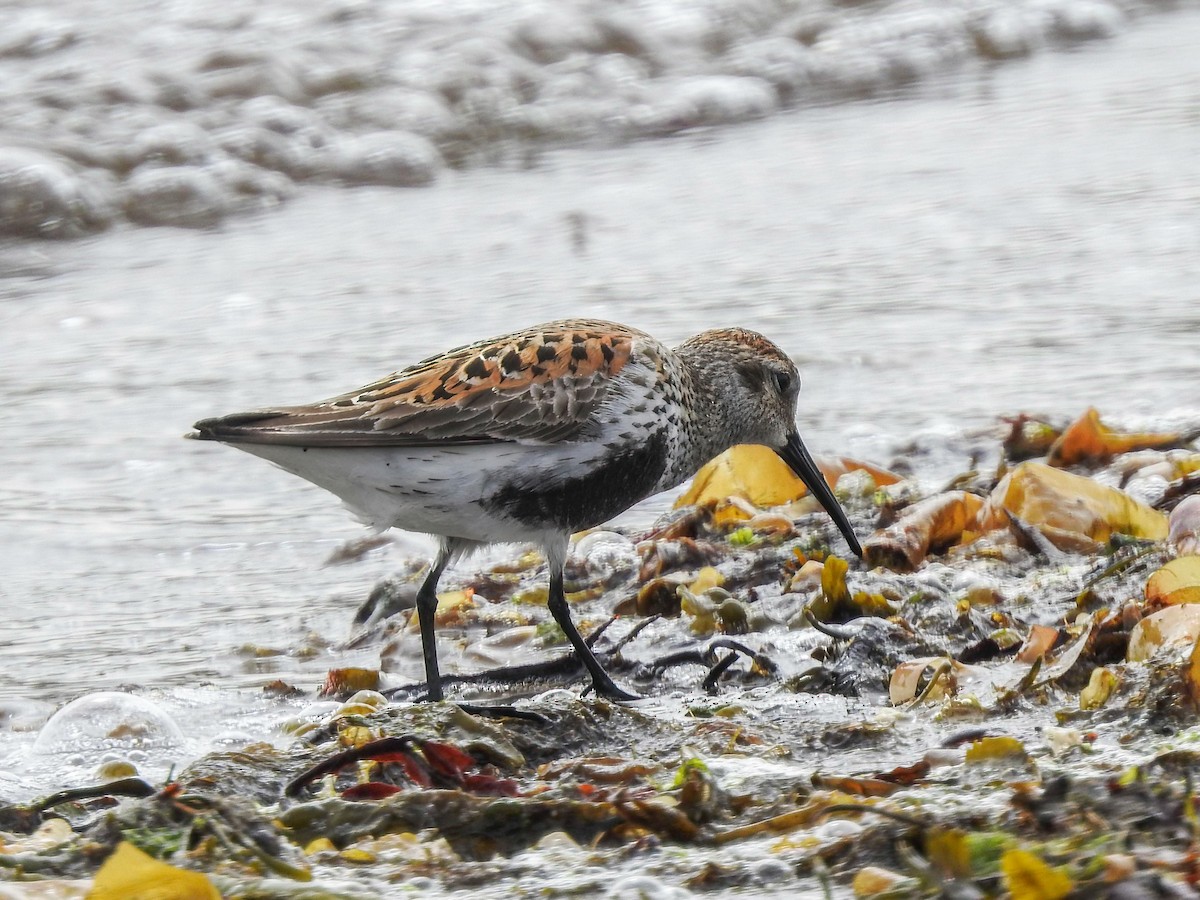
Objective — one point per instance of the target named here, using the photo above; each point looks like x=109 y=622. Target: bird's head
x=751 y=387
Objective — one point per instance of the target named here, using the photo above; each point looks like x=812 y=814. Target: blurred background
x=947 y=212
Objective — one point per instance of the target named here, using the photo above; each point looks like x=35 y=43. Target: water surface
x=1018 y=238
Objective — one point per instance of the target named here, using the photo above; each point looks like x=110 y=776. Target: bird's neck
x=705 y=428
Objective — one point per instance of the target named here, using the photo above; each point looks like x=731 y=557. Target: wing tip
x=204 y=430
x=238 y=426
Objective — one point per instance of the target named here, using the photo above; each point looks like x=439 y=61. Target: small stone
x=183 y=196
x=43 y=197
x=394 y=158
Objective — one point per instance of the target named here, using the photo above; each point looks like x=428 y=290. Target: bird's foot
x=606 y=687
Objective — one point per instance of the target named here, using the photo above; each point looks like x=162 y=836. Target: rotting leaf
x=661 y=556
x=875 y=881
x=453 y=608
x=768 y=523
x=869 y=604
x=688 y=522
x=686 y=767
x=808 y=577
x=925 y=526
x=699 y=795
x=788 y=821
x=1099 y=688
x=1146 y=467
x=859 y=787
x=703 y=608
x=370 y=790
x=1037 y=643
x=354 y=736
x=657 y=597
x=1176 y=582
x=607 y=770
x=732 y=512
x=1028 y=437
x=446 y=759
x=1087 y=439
x=1175 y=626
x=343 y=682
x=1067 y=658
x=906 y=775
x=659 y=815
x=489 y=785
x=907 y=679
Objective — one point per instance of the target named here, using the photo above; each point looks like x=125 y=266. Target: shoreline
x=963 y=666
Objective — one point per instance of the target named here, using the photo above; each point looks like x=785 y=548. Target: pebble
x=184 y=196
x=395 y=158
x=41 y=196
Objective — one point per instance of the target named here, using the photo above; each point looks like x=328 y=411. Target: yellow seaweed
x=1060 y=502
x=1027 y=877
x=1176 y=582
x=1099 y=688
x=933 y=522
x=130 y=874
x=1175 y=626
x=993 y=748
x=1087 y=439
x=757 y=474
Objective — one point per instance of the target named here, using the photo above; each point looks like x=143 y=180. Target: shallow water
x=1016 y=238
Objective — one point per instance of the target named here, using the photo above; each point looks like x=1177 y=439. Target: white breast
x=443 y=489
x=436 y=490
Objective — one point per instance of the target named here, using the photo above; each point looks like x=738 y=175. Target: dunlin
x=532 y=436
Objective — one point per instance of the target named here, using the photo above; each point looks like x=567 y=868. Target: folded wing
x=542 y=385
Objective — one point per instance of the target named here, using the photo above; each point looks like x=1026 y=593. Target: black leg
x=557 y=604
x=426 y=610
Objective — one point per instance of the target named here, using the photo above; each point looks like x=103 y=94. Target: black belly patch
x=584 y=502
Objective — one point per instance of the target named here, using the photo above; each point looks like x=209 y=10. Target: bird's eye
x=783 y=382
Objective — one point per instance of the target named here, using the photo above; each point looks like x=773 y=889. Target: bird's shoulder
x=542 y=384
x=549 y=355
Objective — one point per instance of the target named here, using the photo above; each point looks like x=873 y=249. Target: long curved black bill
x=796 y=455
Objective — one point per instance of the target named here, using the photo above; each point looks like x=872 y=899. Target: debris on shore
x=999 y=700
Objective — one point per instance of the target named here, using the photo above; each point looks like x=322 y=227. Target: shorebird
x=532 y=436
